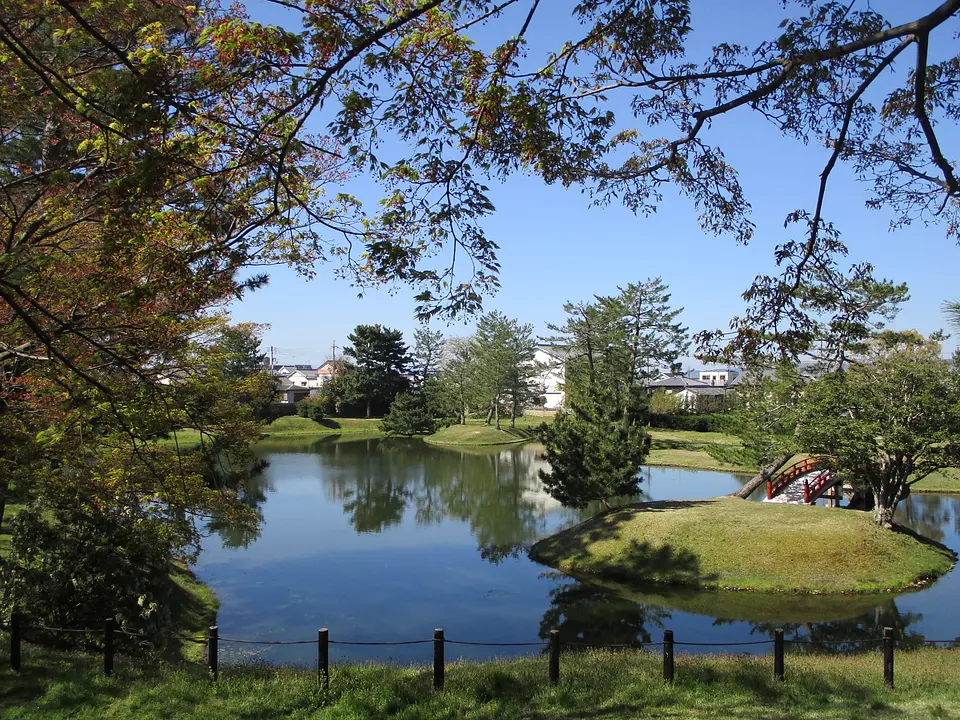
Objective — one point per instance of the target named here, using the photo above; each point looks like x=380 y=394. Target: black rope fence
x=16 y=628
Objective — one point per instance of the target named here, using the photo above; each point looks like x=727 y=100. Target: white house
x=719 y=378
x=552 y=359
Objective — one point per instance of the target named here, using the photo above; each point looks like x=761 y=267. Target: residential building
x=718 y=378
x=552 y=358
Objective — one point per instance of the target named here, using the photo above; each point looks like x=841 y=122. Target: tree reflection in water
x=593 y=616
x=382 y=483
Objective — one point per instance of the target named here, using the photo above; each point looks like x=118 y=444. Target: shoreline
x=612 y=684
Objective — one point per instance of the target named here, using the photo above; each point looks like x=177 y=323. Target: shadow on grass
x=904 y=530
x=571 y=549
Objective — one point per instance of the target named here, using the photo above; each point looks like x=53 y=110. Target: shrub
x=311 y=409
x=715 y=422
x=83 y=565
x=408 y=415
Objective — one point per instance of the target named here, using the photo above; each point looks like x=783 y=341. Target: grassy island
x=732 y=544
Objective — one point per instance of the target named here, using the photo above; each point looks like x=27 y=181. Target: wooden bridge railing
x=778 y=483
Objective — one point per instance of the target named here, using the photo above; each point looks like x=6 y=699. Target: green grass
x=593 y=686
x=727 y=543
x=688 y=449
x=945 y=481
x=479 y=434
x=691 y=459
x=688 y=437
x=193 y=608
x=9 y=511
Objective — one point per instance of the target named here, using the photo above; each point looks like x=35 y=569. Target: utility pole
x=334 y=348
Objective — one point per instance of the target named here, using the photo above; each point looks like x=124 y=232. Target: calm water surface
x=389 y=539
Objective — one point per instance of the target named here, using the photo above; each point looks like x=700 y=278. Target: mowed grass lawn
x=688 y=449
x=737 y=544
x=596 y=685
x=944 y=481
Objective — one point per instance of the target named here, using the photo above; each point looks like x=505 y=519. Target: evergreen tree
x=380 y=359
x=621 y=341
x=409 y=415
x=426 y=357
x=239 y=349
x=457 y=380
x=504 y=372
x=594 y=450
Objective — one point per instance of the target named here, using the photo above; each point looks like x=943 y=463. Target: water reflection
x=495 y=491
x=604 y=614
x=347 y=523
x=588 y=615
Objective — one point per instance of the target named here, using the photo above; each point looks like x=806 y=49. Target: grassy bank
x=945 y=481
x=694 y=450
x=479 y=435
x=726 y=543
x=597 y=685
x=193 y=609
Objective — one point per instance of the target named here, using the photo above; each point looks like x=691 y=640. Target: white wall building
x=718 y=378
x=552 y=358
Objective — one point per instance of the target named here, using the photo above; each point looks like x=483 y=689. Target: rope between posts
x=495 y=644
x=394 y=642
x=612 y=645
x=66 y=630
x=269 y=642
x=727 y=644
x=833 y=642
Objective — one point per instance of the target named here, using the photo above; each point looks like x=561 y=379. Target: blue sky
x=555 y=248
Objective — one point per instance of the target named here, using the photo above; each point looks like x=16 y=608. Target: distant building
x=553 y=359
x=296 y=381
x=719 y=378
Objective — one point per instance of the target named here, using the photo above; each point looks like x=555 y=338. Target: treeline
x=492 y=373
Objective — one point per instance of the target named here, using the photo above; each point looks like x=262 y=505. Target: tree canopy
x=889 y=420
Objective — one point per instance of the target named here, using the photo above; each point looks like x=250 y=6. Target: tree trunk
x=886 y=498
x=496 y=411
x=489 y=415
x=368 y=408
x=762 y=476
x=882 y=512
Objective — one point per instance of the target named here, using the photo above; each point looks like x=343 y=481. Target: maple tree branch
x=920 y=110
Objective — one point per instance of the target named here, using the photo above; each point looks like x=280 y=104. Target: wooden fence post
x=438 y=659
x=15 y=618
x=668 y=656
x=554 y=656
x=778 y=654
x=108 y=626
x=323 y=657
x=888 y=657
x=213 y=651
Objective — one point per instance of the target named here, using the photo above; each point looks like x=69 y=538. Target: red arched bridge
x=815 y=474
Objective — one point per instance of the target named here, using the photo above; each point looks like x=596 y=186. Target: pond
x=385 y=540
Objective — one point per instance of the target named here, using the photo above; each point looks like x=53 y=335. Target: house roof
x=708 y=390
x=558 y=352
x=329 y=367
x=676 y=381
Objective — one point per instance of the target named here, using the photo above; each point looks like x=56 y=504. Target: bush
x=408 y=415
x=696 y=423
x=311 y=409
x=84 y=565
